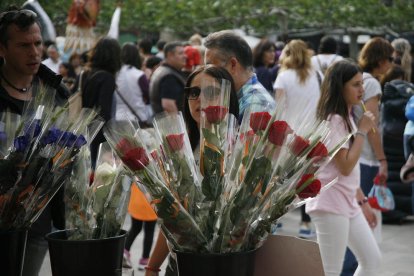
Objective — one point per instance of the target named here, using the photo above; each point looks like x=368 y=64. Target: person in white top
x=297 y=79
x=132 y=87
x=327 y=54
x=299 y=84
x=53 y=61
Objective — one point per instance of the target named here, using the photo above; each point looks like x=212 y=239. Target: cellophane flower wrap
x=97 y=210
x=39 y=159
x=247 y=182
x=146 y=161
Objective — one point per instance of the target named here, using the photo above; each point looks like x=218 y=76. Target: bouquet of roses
x=242 y=185
x=38 y=158
x=97 y=210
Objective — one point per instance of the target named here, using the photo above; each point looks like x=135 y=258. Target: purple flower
x=71 y=140
x=33 y=129
x=21 y=143
x=51 y=137
x=80 y=141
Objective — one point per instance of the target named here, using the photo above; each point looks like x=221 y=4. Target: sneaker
x=126 y=260
x=142 y=264
x=306 y=231
x=275 y=228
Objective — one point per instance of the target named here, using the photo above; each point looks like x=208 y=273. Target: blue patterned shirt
x=253 y=92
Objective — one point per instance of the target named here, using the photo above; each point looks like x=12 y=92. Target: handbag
x=142 y=124
x=75 y=101
x=380 y=197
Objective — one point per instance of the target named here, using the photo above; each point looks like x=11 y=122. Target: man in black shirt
x=21 y=49
x=167 y=82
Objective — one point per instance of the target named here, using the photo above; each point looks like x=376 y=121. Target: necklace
x=21 y=90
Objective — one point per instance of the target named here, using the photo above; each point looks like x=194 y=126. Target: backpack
x=409 y=109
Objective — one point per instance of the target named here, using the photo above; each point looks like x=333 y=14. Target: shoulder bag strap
x=128 y=105
x=80 y=82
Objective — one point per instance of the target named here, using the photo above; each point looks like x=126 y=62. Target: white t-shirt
x=301 y=97
x=322 y=61
x=372 y=88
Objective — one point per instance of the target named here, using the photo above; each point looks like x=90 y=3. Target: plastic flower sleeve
x=135 y=156
x=8 y=127
x=172 y=136
x=110 y=194
x=43 y=156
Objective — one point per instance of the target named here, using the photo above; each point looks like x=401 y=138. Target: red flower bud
x=215 y=114
x=318 y=151
x=312 y=186
x=298 y=145
x=278 y=131
x=247 y=135
x=136 y=159
x=259 y=120
x=175 y=141
x=124 y=145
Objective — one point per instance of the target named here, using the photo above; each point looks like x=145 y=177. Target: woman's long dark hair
x=130 y=55
x=217 y=73
x=106 y=56
x=332 y=100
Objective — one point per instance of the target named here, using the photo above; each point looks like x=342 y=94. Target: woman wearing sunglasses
x=191 y=114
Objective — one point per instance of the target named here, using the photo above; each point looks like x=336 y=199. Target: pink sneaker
x=143 y=262
x=126 y=261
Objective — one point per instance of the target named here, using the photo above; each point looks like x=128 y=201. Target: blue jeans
x=368 y=174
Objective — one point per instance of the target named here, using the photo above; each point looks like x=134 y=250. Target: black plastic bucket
x=87 y=257
x=229 y=264
x=12 y=248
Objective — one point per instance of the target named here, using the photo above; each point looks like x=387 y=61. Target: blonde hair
x=297 y=56
x=403 y=48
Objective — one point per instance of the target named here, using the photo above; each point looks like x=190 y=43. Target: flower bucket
x=12 y=248
x=229 y=264
x=86 y=257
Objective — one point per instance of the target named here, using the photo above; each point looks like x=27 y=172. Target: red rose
x=124 y=145
x=308 y=186
x=278 y=131
x=298 y=145
x=136 y=159
x=175 y=141
x=247 y=135
x=259 y=120
x=215 y=114
x=318 y=151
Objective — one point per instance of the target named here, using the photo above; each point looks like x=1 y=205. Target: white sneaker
x=126 y=261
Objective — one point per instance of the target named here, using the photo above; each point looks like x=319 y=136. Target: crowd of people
x=140 y=80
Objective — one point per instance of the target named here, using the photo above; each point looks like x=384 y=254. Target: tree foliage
x=263 y=17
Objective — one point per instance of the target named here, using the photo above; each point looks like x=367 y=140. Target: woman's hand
x=369 y=215
x=367 y=122
x=383 y=171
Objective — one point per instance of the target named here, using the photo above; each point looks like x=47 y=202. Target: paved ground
x=397 y=247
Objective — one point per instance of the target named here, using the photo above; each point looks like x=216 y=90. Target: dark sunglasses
x=192 y=93
x=16 y=15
